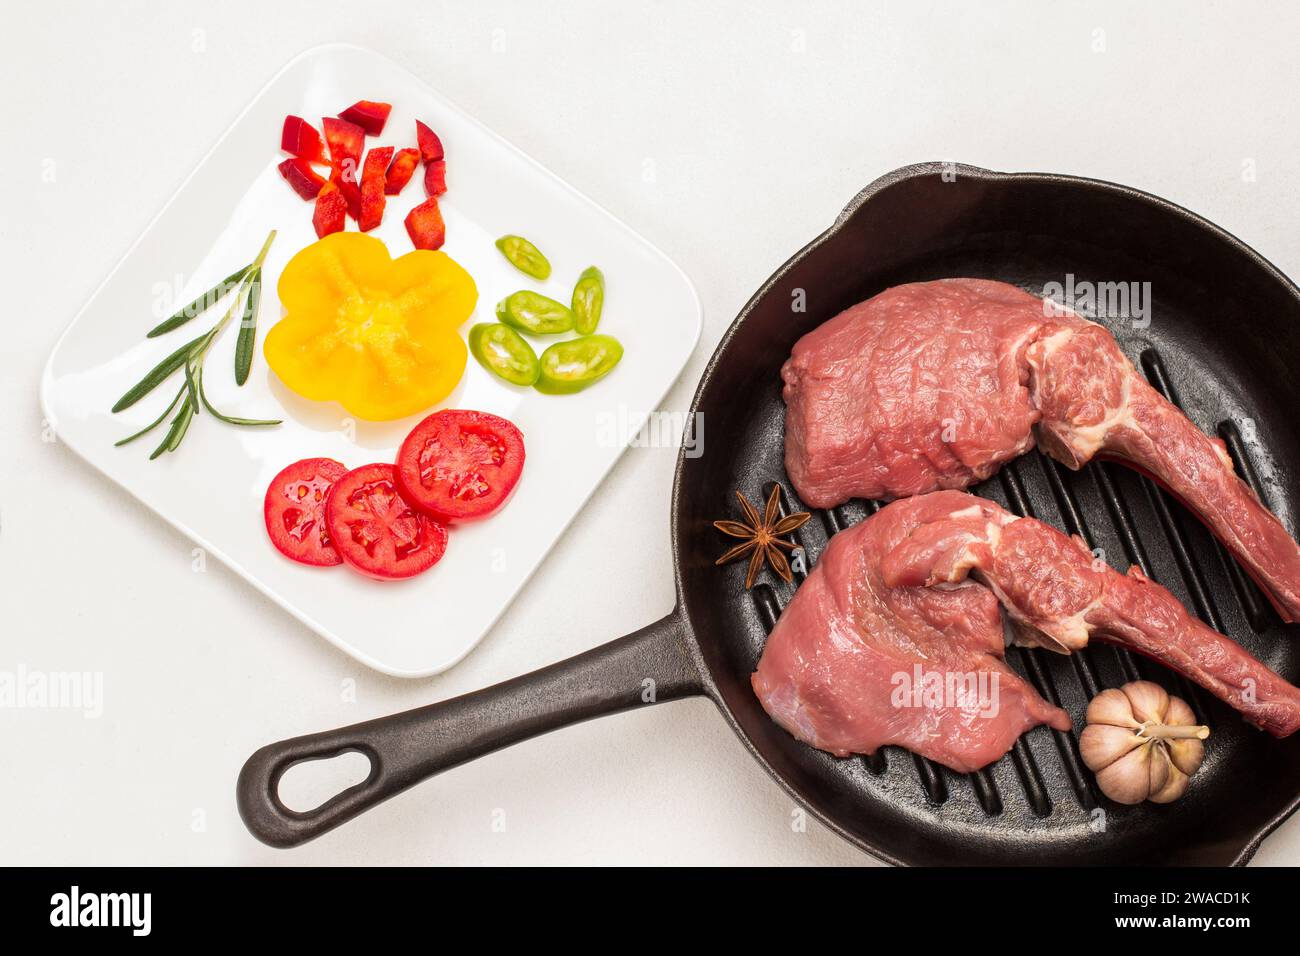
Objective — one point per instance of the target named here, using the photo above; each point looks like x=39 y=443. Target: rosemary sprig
x=190 y=357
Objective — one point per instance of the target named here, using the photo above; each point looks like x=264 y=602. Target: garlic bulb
x=1142 y=743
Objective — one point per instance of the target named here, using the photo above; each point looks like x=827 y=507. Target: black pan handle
x=648 y=666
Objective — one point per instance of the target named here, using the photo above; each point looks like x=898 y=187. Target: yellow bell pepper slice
x=377 y=335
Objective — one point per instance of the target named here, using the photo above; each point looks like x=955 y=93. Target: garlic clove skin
x=1179 y=713
x=1174 y=787
x=1128 y=779
x=1100 y=745
x=1111 y=707
x=1160 y=767
x=1149 y=701
x=1186 y=755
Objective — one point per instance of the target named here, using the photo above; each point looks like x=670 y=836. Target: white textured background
x=760 y=121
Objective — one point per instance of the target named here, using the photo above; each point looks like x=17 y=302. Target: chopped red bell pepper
x=425 y=226
x=372 y=187
x=346 y=141
x=300 y=138
x=352 y=196
x=435 y=178
x=369 y=115
x=351 y=193
x=400 y=172
x=299 y=174
x=430 y=145
x=331 y=211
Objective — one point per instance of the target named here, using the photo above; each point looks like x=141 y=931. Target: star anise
x=764 y=536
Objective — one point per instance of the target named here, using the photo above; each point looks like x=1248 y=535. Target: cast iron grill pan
x=1221 y=344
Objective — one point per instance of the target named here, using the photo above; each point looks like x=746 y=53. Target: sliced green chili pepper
x=504 y=352
x=572 y=365
x=588 y=300
x=533 y=312
x=524 y=256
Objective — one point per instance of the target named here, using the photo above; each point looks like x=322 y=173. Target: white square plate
x=212 y=487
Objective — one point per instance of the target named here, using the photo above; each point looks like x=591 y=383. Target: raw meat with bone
x=937 y=384
x=893 y=593
x=847 y=642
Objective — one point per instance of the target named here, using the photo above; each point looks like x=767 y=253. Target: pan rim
x=846 y=215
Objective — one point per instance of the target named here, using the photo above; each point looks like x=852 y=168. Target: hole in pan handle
x=409 y=747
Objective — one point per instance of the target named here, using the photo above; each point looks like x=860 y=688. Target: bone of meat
x=935 y=385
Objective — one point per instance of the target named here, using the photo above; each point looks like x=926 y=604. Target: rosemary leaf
x=231 y=419
x=157 y=375
x=248 y=328
x=154 y=424
x=185 y=417
x=199 y=305
x=180 y=424
x=191 y=387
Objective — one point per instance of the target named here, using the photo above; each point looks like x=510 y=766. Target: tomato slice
x=376 y=531
x=459 y=464
x=295 y=511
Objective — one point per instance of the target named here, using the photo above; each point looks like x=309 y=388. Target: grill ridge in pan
x=1221 y=343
